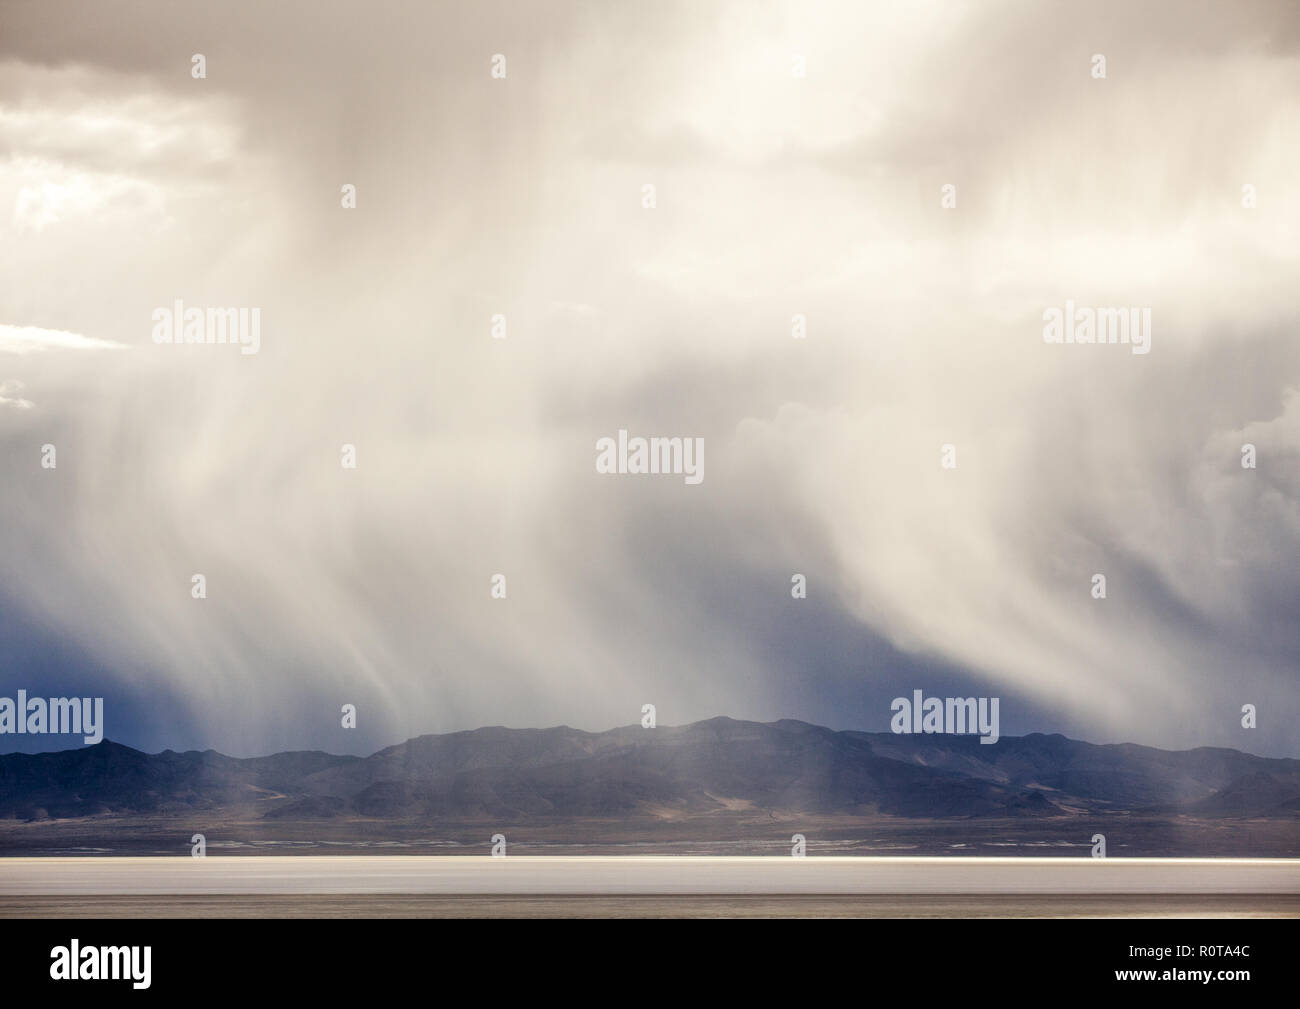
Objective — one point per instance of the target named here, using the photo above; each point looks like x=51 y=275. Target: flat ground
x=494 y=906
x=645 y=886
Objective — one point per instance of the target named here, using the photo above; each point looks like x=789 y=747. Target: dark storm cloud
x=132 y=184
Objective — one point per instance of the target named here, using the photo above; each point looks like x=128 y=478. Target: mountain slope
x=1124 y=774
x=711 y=766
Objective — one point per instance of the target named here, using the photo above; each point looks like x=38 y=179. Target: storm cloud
x=127 y=184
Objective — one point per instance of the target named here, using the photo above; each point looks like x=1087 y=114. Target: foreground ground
x=623 y=906
x=645 y=886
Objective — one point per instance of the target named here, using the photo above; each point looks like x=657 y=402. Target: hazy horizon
x=68 y=745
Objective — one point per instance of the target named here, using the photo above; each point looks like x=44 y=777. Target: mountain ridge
x=703 y=767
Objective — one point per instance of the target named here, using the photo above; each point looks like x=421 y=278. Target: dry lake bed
x=631 y=886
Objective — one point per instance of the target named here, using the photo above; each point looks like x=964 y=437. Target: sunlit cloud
x=35 y=340
x=9 y=396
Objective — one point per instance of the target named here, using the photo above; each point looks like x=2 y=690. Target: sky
x=128 y=183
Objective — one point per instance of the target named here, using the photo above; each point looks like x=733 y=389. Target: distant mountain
x=710 y=766
x=1122 y=775
x=1260 y=794
x=110 y=778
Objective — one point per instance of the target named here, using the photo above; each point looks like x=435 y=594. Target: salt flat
x=661 y=875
